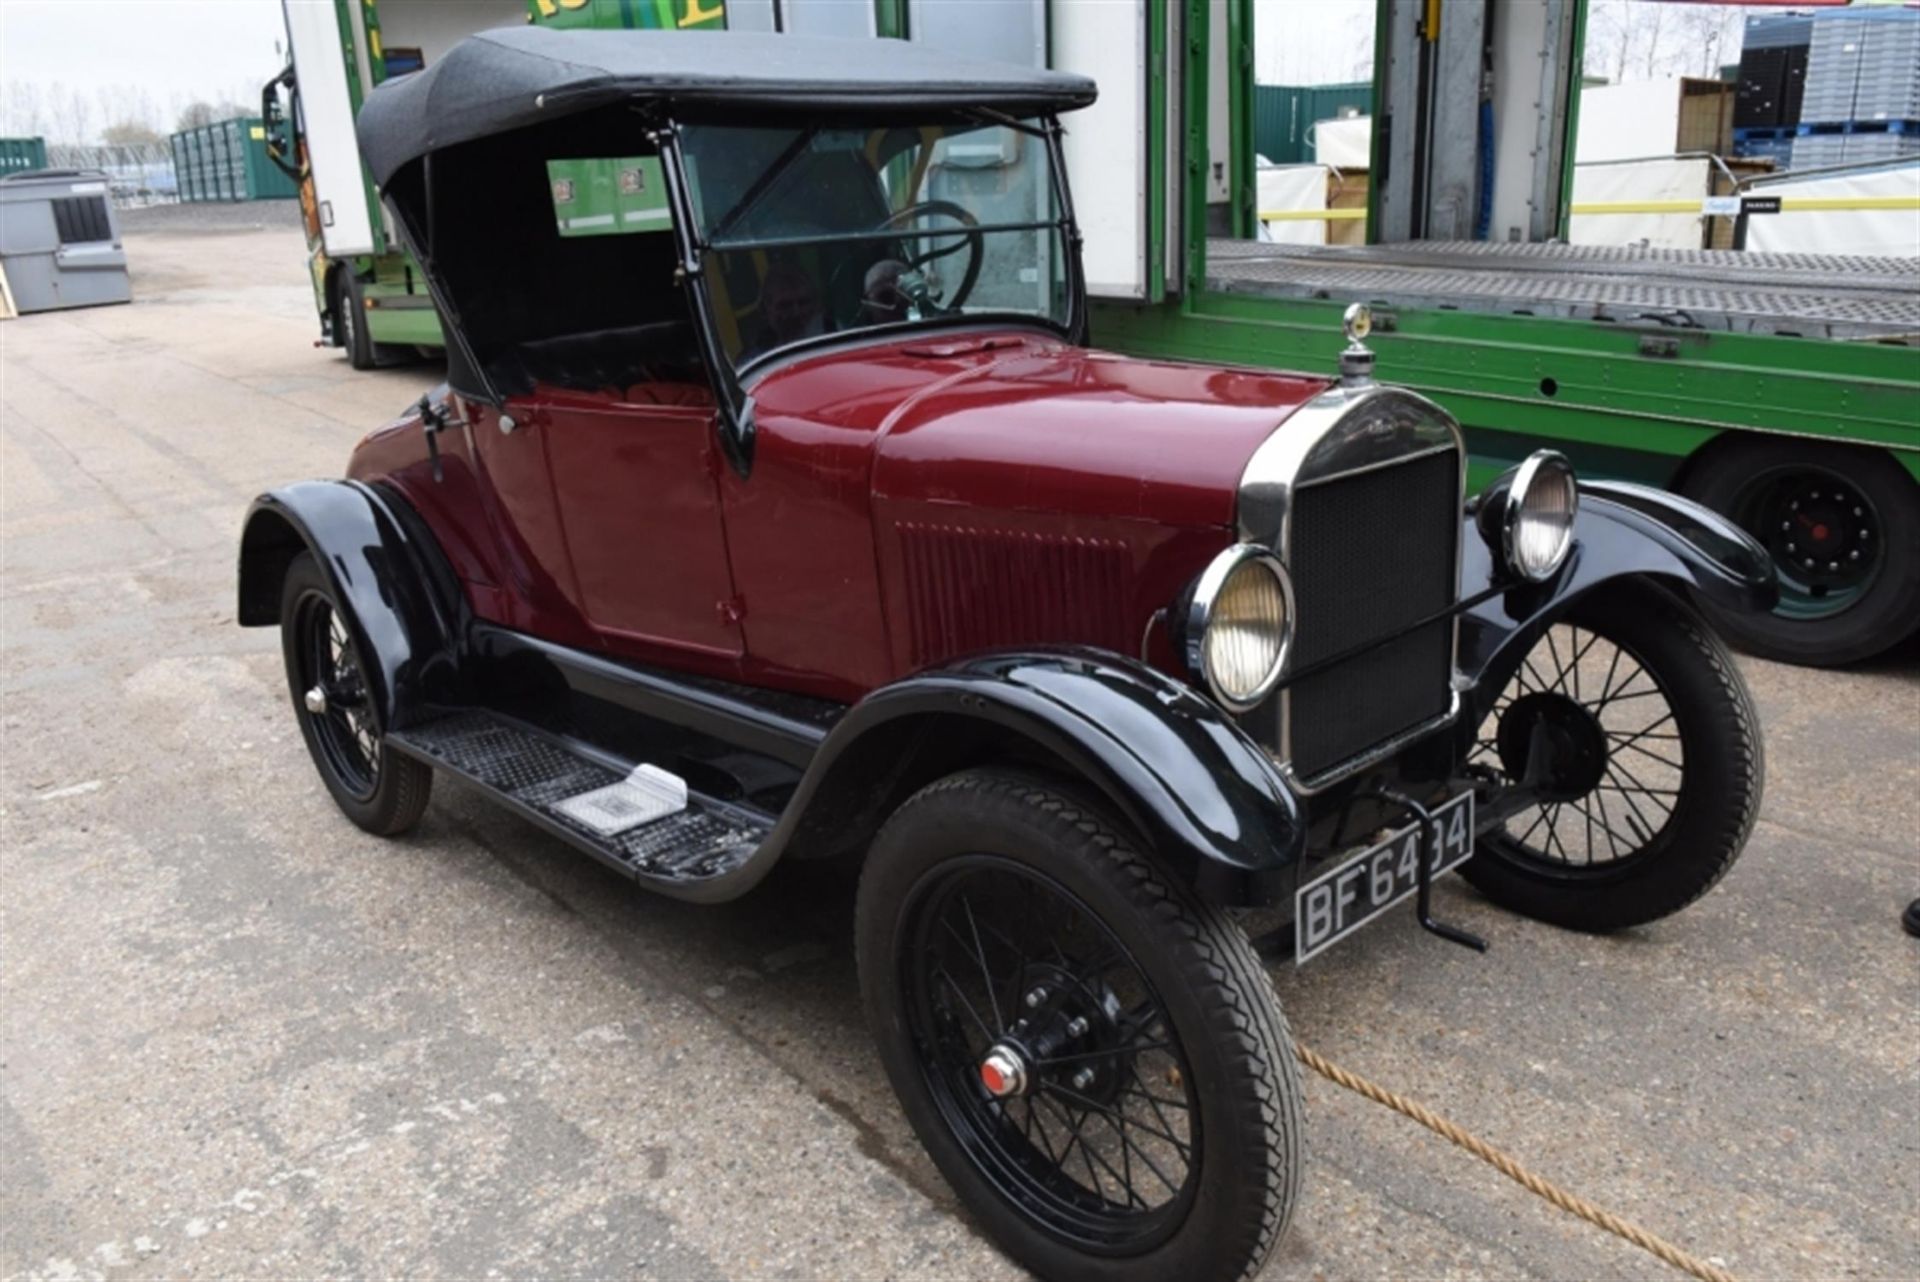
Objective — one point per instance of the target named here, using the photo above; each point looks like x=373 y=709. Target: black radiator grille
x=1372 y=554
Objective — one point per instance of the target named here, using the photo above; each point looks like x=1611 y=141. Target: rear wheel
x=1095 y=1060
x=1641 y=750
x=378 y=788
x=1843 y=527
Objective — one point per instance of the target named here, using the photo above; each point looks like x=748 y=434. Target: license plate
x=1343 y=899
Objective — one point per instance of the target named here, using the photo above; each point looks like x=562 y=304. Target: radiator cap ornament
x=1356 y=362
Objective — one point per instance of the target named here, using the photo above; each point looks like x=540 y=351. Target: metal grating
x=970 y=590
x=1809 y=295
x=701 y=841
x=1371 y=555
x=81 y=220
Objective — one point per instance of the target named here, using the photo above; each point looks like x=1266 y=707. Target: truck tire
x=350 y=321
x=1843 y=526
x=1094 y=1059
x=381 y=790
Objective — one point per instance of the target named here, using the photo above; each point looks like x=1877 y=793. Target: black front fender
x=382 y=566
x=1203 y=795
x=1622 y=532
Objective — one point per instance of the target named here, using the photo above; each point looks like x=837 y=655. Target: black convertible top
x=518 y=76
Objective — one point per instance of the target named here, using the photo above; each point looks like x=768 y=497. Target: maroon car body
x=910 y=503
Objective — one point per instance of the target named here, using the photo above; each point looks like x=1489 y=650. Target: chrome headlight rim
x=1200 y=613
x=1539 y=470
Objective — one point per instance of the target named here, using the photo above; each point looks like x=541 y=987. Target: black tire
x=381 y=790
x=1240 y=1176
x=1825 y=619
x=1647 y=856
x=350 y=321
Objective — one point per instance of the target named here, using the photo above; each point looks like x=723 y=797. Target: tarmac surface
x=240 y=1038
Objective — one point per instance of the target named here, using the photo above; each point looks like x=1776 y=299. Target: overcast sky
x=174 y=50
x=149 y=58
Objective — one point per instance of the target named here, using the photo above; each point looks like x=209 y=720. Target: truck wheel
x=1094 y=1059
x=1843 y=527
x=1647 y=755
x=350 y=321
x=378 y=788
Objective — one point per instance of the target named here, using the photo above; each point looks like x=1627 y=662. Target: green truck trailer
x=1781 y=389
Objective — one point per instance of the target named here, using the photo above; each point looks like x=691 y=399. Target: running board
x=531 y=773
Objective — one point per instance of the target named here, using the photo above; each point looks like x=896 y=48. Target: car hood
x=1013 y=422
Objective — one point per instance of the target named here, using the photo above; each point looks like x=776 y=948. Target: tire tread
x=1218 y=963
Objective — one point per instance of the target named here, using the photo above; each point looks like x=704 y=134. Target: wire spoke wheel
x=1624 y=761
x=1593 y=726
x=1093 y=1056
x=335 y=701
x=1050 y=1055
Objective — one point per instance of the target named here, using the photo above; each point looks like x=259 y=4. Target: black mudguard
x=399 y=588
x=1206 y=799
x=1623 y=532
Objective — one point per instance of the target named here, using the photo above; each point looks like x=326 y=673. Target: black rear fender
x=382 y=565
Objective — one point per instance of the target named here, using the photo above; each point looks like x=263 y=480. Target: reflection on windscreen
x=826 y=230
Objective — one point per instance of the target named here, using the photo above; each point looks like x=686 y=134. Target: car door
x=635 y=484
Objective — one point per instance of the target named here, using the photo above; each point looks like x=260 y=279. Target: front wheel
x=1094 y=1059
x=1634 y=743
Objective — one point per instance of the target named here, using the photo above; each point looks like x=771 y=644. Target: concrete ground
x=239 y=1038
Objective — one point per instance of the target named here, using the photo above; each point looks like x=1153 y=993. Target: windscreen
x=822 y=230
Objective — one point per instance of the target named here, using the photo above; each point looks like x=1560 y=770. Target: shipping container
x=227 y=161
x=1284 y=116
x=18 y=155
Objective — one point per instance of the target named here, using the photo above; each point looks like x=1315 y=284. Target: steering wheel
x=894 y=283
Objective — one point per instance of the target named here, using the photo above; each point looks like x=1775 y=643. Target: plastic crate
x=1818 y=150
x=1774 y=31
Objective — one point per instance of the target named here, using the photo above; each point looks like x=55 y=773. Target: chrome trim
x=1342 y=432
x=1324 y=439
x=1515 y=507
x=1206 y=590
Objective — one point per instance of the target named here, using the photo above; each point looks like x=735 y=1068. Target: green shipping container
x=18 y=155
x=1284 y=115
x=227 y=160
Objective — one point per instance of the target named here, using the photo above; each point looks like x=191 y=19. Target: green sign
x=656 y=15
x=608 y=197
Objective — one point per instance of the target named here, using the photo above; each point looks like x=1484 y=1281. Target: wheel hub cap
x=1574 y=743
x=1003 y=1072
x=316 y=700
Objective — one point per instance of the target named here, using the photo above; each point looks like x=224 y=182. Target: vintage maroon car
x=776 y=507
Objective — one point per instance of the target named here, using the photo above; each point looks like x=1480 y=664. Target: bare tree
x=23 y=112
x=128 y=132
x=200 y=112
x=1660 y=38
x=70 y=117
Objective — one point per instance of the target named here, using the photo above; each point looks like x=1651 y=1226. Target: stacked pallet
x=1862 y=101
x=1771 y=86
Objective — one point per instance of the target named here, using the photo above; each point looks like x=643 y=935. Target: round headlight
x=1238 y=627
x=1537 y=531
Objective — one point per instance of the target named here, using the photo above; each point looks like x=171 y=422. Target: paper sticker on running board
x=646 y=794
